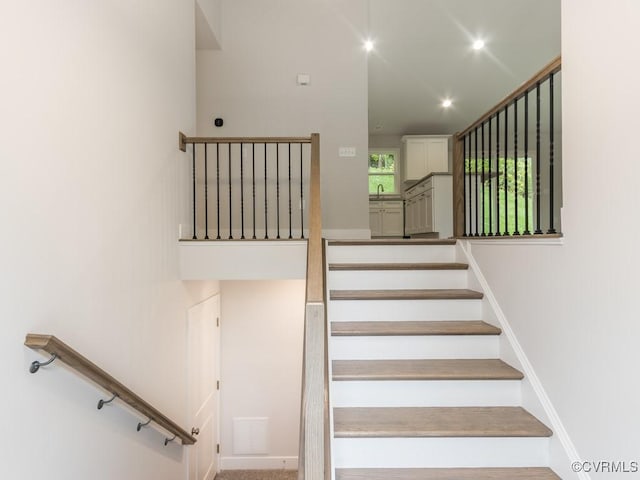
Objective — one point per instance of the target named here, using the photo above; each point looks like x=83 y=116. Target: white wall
x=251 y=84
x=92 y=188
x=262 y=325
x=574 y=307
x=208 y=17
x=385 y=141
x=254 y=260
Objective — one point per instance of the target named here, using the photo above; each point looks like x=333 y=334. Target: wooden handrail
x=314 y=461
x=552 y=67
x=183 y=140
x=315 y=264
x=65 y=353
x=458 y=181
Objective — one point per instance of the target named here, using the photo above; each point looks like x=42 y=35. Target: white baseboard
x=258 y=463
x=346 y=234
x=567 y=448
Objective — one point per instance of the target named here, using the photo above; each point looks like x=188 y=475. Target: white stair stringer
x=406 y=451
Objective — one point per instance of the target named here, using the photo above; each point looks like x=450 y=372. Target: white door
x=203 y=354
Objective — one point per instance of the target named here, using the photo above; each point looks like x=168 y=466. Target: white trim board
x=560 y=435
x=258 y=463
x=243 y=260
x=555 y=241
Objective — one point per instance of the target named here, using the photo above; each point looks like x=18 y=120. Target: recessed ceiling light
x=446 y=103
x=368 y=45
x=478 y=44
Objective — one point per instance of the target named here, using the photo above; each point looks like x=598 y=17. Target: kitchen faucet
x=380 y=187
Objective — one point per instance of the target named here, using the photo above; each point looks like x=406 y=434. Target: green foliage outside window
x=382 y=171
x=501 y=203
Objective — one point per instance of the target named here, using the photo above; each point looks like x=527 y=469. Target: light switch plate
x=347 y=151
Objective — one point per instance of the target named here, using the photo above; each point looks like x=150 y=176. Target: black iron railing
x=249 y=188
x=507 y=184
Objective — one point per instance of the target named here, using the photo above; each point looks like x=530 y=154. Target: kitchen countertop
x=385 y=198
x=413 y=184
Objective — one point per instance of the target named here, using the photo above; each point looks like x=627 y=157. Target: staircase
x=418 y=391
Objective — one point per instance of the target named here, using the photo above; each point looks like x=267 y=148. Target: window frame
x=396 y=174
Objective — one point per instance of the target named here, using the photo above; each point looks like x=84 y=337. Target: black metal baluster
x=277 y=190
x=266 y=203
x=193 y=181
x=484 y=234
x=498 y=174
x=551 y=156
x=464 y=185
x=218 y=188
x=490 y=234
x=206 y=194
x=469 y=232
x=230 y=205
x=475 y=153
x=515 y=164
x=290 y=233
x=301 y=196
x=526 y=164
x=538 y=230
x=241 y=191
x=506 y=181
x=253 y=187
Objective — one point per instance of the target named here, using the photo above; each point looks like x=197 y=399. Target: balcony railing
x=508 y=164
x=249 y=187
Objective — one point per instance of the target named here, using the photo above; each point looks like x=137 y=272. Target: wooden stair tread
x=419 y=294
x=397 y=266
x=432 y=369
x=370 y=422
x=443 y=327
x=376 y=242
x=527 y=473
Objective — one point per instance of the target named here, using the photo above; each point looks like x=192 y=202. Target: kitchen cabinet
x=424 y=154
x=429 y=206
x=386 y=218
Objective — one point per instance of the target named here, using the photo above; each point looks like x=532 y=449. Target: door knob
x=195 y=431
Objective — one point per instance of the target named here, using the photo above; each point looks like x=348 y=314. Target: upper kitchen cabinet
x=424 y=154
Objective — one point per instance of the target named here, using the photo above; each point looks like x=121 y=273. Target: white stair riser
x=428 y=393
x=404 y=310
x=397 y=279
x=391 y=254
x=409 y=347
x=439 y=452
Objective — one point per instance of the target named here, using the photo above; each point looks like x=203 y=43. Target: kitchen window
x=383 y=171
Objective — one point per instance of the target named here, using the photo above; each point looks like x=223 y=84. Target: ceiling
x=423 y=54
